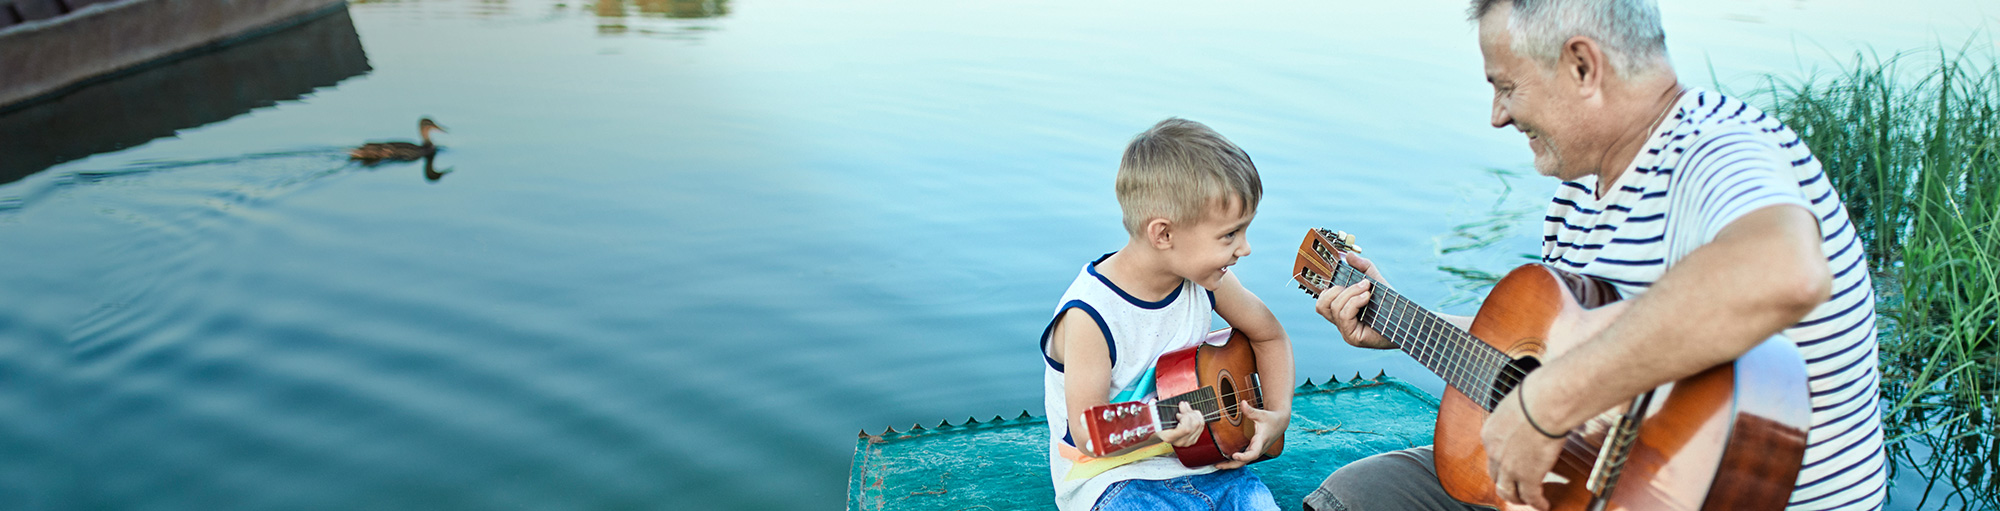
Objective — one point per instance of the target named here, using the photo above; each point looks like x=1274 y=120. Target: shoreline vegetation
x=1912 y=144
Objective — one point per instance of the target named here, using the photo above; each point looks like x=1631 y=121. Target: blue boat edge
x=1002 y=462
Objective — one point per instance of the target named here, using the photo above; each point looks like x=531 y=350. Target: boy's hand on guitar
x=1341 y=305
x=1269 y=426
x=1188 y=430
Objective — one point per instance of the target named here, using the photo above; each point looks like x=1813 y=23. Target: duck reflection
x=433 y=175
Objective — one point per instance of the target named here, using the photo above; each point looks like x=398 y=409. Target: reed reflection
x=194 y=91
x=612 y=15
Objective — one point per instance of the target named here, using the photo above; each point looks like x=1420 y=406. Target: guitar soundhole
x=1227 y=390
x=1509 y=377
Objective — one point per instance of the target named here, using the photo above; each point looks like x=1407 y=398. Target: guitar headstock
x=1117 y=427
x=1319 y=257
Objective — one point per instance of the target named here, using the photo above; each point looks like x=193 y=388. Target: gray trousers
x=1395 y=480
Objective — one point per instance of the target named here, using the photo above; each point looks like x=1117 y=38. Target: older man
x=1711 y=217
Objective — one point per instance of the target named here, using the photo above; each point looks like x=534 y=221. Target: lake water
x=677 y=253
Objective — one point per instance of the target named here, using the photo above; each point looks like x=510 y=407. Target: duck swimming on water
x=374 y=152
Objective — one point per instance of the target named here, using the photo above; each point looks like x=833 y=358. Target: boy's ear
x=1160 y=233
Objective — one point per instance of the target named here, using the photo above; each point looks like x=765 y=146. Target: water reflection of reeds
x=1916 y=157
x=612 y=14
x=1470 y=253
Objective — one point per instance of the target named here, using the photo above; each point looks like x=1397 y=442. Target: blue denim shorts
x=1222 y=490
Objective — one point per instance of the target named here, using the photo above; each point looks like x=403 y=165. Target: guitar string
x=1508 y=376
x=1401 y=310
x=1206 y=416
x=1398 y=314
x=1169 y=403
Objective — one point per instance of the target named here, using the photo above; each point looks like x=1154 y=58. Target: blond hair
x=1176 y=169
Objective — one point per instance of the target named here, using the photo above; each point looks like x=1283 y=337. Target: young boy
x=1188 y=194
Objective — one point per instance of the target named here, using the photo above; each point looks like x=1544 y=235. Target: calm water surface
x=681 y=251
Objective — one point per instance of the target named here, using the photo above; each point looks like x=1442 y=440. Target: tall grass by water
x=1912 y=143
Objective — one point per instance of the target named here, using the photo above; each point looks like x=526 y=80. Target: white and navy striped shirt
x=1711 y=161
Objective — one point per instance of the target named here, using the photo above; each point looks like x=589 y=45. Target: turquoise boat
x=1002 y=463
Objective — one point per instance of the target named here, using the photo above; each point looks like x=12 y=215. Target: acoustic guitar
x=1730 y=437
x=1217 y=378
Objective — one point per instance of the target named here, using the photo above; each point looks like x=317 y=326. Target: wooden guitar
x=1730 y=437
x=1217 y=378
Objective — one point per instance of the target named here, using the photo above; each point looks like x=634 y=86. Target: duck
x=374 y=152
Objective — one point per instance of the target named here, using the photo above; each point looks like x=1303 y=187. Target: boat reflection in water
x=179 y=93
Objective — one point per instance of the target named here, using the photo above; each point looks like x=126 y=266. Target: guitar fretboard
x=1202 y=400
x=1463 y=361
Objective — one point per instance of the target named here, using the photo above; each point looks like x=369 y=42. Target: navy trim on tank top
x=1169 y=300
x=1101 y=326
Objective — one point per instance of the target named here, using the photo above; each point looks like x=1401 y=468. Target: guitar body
x=1231 y=369
x=1217 y=377
x=1730 y=437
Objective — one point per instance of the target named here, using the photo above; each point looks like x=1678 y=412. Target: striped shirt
x=1713 y=160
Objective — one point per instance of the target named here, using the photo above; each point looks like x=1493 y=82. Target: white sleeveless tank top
x=1138 y=332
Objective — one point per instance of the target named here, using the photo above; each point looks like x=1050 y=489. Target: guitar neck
x=1465 y=362
x=1203 y=400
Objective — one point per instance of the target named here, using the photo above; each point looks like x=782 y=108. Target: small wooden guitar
x=1217 y=378
x=1730 y=437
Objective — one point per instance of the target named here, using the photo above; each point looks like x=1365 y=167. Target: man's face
x=1537 y=100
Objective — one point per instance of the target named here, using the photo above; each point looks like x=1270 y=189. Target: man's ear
x=1160 y=233
x=1583 y=63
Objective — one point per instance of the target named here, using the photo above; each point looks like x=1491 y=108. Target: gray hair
x=1628 y=30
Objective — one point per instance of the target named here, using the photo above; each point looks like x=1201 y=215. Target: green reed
x=1912 y=144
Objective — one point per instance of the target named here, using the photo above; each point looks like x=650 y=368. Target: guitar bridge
x=1617 y=446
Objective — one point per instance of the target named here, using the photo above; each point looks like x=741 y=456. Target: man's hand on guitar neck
x=1341 y=305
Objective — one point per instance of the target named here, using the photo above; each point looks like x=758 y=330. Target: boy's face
x=1203 y=252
